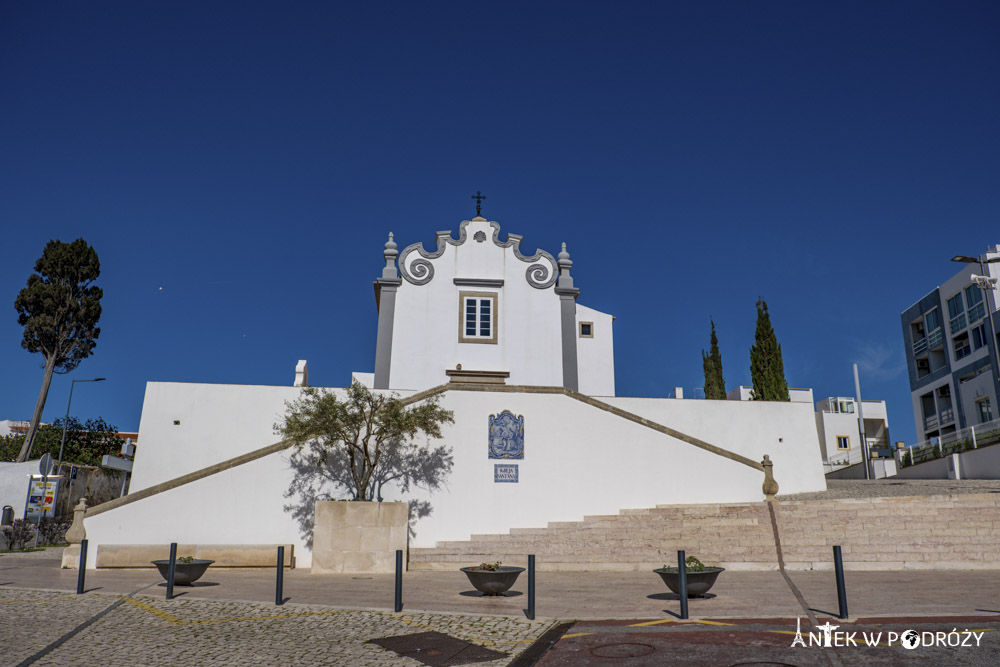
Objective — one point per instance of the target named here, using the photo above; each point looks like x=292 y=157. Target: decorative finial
x=565 y=264
x=390 y=254
x=479 y=197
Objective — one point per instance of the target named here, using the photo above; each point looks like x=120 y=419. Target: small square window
x=843 y=442
x=586 y=329
x=477 y=317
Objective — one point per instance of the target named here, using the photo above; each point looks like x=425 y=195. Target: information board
x=41 y=498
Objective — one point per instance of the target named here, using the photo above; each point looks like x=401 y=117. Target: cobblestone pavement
x=877 y=488
x=49 y=629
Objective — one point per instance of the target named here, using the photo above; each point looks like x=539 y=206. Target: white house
x=501 y=338
x=840 y=432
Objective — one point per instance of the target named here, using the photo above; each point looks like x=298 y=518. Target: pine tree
x=766 y=367
x=715 y=383
x=59 y=310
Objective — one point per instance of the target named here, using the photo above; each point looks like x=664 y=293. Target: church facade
x=539 y=433
x=477 y=309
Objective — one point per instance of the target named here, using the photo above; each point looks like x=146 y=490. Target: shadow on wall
x=314 y=477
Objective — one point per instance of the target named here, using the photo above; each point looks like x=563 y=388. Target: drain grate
x=622 y=650
x=437 y=649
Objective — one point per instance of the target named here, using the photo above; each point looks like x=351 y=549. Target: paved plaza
x=603 y=618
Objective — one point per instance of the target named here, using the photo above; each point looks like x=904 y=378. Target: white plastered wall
x=579 y=460
x=596 y=355
x=425 y=340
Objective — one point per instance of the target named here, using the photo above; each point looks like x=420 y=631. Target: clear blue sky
x=249 y=158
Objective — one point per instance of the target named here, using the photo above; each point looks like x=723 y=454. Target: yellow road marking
x=711 y=623
x=576 y=634
x=670 y=620
x=169 y=618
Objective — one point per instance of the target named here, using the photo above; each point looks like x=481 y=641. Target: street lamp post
x=62 y=443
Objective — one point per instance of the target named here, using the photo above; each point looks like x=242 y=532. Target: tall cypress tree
x=715 y=383
x=766 y=367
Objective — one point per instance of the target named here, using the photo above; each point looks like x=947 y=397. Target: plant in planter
x=700 y=577
x=357 y=442
x=492 y=578
x=187 y=569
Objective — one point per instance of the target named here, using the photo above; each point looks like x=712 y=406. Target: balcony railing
x=947 y=416
x=919 y=346
x=958 y=323
x=930 y=422
x=935 y=338
x=980 y=435
x=977 y=312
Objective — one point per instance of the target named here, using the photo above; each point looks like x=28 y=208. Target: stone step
x=881 y=533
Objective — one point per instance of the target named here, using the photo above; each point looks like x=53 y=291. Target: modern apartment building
x=951 y=351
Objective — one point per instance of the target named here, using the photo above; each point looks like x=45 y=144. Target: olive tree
x=358 y=443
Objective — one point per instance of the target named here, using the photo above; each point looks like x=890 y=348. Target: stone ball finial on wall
x=770 y=487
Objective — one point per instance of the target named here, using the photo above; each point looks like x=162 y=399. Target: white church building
x=499 y=336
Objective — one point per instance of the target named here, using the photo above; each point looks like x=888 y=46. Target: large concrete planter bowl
x=185 y=574
x=698 y=583
x=492 y=582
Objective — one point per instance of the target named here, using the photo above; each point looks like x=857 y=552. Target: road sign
x=45 y=464
x=72 y=472
x=116 y=463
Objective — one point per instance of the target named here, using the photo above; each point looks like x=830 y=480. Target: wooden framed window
x=477 y=317
x=843 y=442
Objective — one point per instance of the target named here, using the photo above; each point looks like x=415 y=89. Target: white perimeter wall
x=14 y=484
x=595 y=356
x=578 y=461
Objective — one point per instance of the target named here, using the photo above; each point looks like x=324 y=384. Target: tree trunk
x=36 y=418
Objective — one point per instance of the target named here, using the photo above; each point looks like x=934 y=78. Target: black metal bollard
x=682 y=578
x=838 y=565
x=399 y=581
x=531 y=587
x=170 y=570
x=81 y=576
x=279 y=597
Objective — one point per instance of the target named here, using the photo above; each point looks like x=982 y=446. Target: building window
x=962 y=348
x=843 y=442
x=956 y=313
x=974 y=299
x=985 y=410
x=586 y=329
x=979 y=337
x=933 y=320
x=477 y=321
x=845 y=406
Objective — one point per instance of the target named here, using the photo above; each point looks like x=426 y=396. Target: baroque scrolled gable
x=417 y=268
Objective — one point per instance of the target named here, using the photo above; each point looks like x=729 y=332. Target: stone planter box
x=355 y=537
